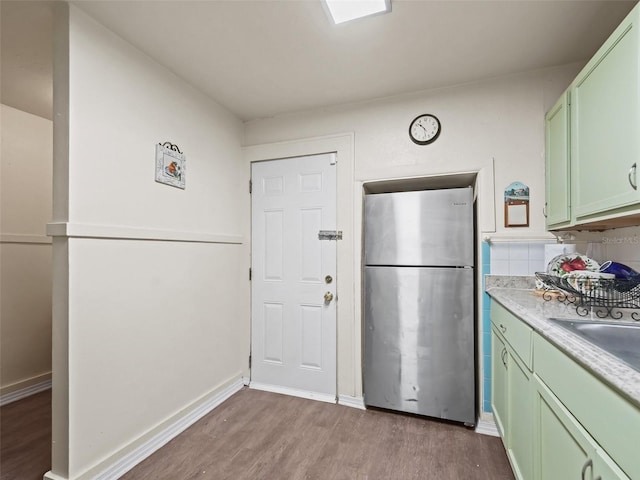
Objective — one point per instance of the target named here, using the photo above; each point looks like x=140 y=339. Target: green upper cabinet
x=557 y=206
x=604 y=128
x=592 y=142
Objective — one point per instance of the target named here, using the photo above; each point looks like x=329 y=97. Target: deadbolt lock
x=328 y=297
x=328 y=279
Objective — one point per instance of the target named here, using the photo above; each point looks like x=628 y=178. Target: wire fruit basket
x=604 y=296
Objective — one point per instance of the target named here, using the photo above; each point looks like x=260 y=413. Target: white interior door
x=293 y=333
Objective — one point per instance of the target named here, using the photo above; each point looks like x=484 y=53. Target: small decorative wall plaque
x=516 y=205
x=170 y=165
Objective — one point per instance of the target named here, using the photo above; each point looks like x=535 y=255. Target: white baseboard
x=321 y=397
x=487 y=426
x=349 y=401
x=27 y=391
x=246 y=381
x=119 y=464
x=52 y=476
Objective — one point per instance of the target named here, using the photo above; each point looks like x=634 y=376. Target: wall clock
x=424 y=129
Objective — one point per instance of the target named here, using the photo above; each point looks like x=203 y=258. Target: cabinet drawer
x=610 y=419
x=515 y=331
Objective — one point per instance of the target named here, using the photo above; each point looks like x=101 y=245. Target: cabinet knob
x=632 y=170
x=503 y=329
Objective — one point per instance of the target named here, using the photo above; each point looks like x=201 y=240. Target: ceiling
x=263 y=58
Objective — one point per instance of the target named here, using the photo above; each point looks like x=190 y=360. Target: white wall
x=152 y=284
x=502 y=118
x=25 y=251
x=496 y=122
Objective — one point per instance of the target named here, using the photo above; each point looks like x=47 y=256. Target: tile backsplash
x=517 y=258
x=622 y=245
x=525 y=258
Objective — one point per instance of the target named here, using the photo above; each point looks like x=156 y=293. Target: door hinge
x=250 y=187
x=249 y=273
x=249 y=360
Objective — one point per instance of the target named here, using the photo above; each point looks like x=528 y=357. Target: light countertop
x=535 y=311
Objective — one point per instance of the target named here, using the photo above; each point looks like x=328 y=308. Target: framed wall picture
x=171 y=165
x=516 y=205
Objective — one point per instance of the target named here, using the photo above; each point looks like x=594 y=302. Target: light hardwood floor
x=260 y=435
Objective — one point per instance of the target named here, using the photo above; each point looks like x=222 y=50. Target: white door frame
x=349 y=328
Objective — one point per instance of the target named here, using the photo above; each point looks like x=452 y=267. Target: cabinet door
x=519 y=411
x=557 y=178
x=499 y=383
x=604 y=125
x=562 y=451
x=605 y=469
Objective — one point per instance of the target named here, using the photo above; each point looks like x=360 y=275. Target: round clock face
x=424 y=129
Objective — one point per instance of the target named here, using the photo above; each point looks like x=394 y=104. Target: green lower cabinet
x=605 y=468
x=519 y=425
x=556 y=419
x=511 y=397
x=610 y=419
x=499 y=383
x=562 y=448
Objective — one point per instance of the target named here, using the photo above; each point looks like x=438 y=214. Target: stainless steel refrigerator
x=419 y=320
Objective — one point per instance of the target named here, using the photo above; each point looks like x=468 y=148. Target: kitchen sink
x=621 y=340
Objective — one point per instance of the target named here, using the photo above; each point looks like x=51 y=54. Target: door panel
x=311 y=339
x=293 y=327
x=274 y=244
x=311 y=249
x=273 y=323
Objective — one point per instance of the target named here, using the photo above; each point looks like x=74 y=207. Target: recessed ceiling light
x=344 y=10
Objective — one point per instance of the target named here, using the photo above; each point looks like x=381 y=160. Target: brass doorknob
x=328 y=297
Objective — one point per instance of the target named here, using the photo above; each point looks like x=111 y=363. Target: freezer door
x=419 y=354
x=426 y=228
